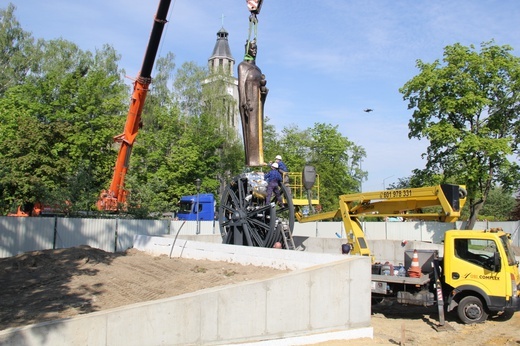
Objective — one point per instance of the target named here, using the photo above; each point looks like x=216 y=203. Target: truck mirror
x=497 y=262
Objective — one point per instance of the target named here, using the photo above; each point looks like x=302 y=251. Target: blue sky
x=325 y=61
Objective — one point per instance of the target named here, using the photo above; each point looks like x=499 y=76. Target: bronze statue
x=252 y=93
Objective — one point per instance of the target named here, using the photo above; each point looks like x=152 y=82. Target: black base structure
x=245 y=217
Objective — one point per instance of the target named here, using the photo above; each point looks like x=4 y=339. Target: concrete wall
x=325 y=297
x=383 y=250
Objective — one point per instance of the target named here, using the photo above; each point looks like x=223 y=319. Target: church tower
x=221 y=57
x=222 y=64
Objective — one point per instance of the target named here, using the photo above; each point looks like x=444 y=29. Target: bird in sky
x=368 y=110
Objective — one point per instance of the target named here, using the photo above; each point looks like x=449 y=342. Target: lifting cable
x=254 y=7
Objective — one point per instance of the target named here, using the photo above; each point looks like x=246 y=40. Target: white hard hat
x=278 y=157
x=274 y=164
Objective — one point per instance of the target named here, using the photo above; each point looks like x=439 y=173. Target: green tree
x=336 y=159
x=293 y=143
x=186 y=135
x=149 y=178
x=188 y=88
x=515 y=214
x=499 y=206
x=467 y=107
x=60 y=121
x=402 y=183
x=16 y=55
x=221 y=107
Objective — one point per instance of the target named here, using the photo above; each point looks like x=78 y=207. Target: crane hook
x=254 y=6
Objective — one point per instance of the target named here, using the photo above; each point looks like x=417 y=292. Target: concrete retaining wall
x=383 y=250
x=246 y=255
x=325 y=297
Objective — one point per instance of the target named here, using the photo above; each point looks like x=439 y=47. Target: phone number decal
x=396 y=193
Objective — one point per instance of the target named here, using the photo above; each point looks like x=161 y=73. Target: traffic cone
x=415 y=270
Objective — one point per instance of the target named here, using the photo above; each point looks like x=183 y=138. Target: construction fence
x=21 y=234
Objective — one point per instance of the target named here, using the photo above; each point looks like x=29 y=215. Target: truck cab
x=480 y=274
x=202 y=204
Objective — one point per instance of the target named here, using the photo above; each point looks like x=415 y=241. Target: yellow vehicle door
x=472 y=263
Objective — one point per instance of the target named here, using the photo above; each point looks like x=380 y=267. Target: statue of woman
x=252 y=93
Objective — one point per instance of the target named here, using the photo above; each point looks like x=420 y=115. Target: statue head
x=251 y=50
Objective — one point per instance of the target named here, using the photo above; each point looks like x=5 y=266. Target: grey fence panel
x=308 y=229
x=515 y=233
x=210 y=227
x=479 y=225
x=126 y=229
x=410 y=231
x=374 y=230
x=511 y=227
x=182 y=227
x=191 y=228
x=430 y=231
x=98 y=233
x=434 y=231
x=21 y=234
x=508 y=226
x=330 y=229
x=400 y=230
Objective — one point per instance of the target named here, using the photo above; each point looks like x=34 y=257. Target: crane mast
x=114 y=198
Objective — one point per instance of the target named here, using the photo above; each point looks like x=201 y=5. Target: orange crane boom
x=114 y=198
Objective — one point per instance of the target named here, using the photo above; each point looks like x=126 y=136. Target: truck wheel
x=377 y=300
x=471 y=310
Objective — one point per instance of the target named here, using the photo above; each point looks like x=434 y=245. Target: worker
x=281 y=165
x=277 y=245
x=273 y=178
x=282 y=168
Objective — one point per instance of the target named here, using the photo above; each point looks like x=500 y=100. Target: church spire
x=221 y=57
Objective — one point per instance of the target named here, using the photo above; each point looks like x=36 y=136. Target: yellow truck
x=477 y=275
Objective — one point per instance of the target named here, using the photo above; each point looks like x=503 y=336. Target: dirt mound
x=44 y=285
x=47 y=260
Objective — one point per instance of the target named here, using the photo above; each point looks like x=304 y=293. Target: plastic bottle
x=401 y=271
x=387 y=269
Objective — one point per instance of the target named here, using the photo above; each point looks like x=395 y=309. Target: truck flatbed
x=424 y=279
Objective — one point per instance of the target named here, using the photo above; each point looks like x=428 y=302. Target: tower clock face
x=230 y=90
